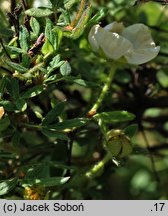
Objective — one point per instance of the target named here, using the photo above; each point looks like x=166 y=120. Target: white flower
x=135 y=42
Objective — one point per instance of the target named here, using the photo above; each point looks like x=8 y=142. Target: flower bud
x=118 y=144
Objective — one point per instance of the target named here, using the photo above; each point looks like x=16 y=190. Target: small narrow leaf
x=69 y=3
x=35 y=26
x=48 y=29
x=54 y=63
x=54 y=113
x=13 y=88
x=34 y=91
x=45 y=182
x=8 y=105
x=54 y=134
x=65 y=69
x=3 y=83
x=58 y=34
x=51 y=78
x=5 y=32
x=97 y=17
x=21 y=104
x=82 y=82
x=4 y=123
x=131 y=130
x=70 y=123
x=14 y=50
x=37 y=171
x=38 y=12
x=81 y=25
x=7 y=185
x=47 y=47
x=16 y=66
x=115 y=116
x=23 y=38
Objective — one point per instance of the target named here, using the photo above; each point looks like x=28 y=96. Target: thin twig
x=78 y=15
x=103 y=93
x=24 y=3
x=69 y=150
x=7 y=54
x=12 y=6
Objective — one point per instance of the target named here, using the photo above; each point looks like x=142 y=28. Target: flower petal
x=91 y=38
x=139 y=35
x=135 y=42
x=113 y=45
x=115 y=27
x=141 y=56
x=144 y=48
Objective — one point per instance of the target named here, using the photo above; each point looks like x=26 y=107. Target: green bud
x=118 y=144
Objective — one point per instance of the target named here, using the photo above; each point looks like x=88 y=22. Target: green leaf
x=131 y=130
x=97 y=17
x=8 y=105
x=51 y=78
x=69 y=3
x=3 y=83
x=81 y=25
x=70 y=123
x=115 y=116
x=82 y=82
x=25 y=60
x=4 y=123
x=7 y=185
x=32 y=92
x=13 y=88
x=14 y=50
x=54 y=64
x=7 y=155
x=53 y=35
x=16 y=66
x=38 y=12
x=65 y=69
x=64 y=18
x=45 y=182
x=58 y=34
x=5 y=32
x=23 y=38
x=47 y=47
x=54 y=39
x=37 y=171
x=54 y=134
x=21 y=104
x=54 y=113
x=48 y=29
x=35 y=26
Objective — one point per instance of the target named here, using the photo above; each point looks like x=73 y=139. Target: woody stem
x=94 y=171
x=104 y=91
